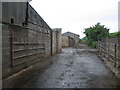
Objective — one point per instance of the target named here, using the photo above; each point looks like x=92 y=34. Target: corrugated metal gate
x=25 y=45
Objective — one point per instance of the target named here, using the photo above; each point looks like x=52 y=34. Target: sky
x=76 y=15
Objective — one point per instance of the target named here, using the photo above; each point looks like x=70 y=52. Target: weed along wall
x=26 y=37
x=109 y=51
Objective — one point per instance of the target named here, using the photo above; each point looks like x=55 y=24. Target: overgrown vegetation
x=114 y=34
x=94 y=33
x=83 y=40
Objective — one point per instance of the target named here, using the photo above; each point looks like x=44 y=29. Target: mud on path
x=73 y=68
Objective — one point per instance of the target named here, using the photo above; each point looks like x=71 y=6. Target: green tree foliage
x=94 y=33
x=83 y=40
x=114 y=34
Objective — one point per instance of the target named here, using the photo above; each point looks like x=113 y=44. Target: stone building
x=65 y=41
x=70 y=39
x=26 y=37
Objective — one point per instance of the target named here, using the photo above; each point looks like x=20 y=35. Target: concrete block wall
x=65 y=41
x=24 y=45
x=30 y=43
x=68 y=41
x=40 y=35
x=36 y=22
x=109 y=51
x=5 y=50
x=73 y=39
x=28 y=47
x=56 y=40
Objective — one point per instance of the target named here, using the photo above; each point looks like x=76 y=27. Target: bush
x=114 y=34
x=94 y=44
x=94 y=33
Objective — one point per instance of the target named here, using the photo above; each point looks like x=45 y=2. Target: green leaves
x=114 y=34
x=96 y=32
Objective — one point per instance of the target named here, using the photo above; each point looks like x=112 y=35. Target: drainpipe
x=27 y=14
x=11 y=44
x=26 y=17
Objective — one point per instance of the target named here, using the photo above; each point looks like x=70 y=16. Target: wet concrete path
x=74 y=68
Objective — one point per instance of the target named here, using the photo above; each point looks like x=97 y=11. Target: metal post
x=11 y=45
x=115 y=53
x=108 y=51
x=51 y=42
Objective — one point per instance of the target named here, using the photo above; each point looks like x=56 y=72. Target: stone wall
x=73 y=39
x=65 y=41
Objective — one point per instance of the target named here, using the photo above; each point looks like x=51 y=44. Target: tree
x=96 y=32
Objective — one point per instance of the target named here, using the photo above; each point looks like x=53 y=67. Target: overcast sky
x=75 y=15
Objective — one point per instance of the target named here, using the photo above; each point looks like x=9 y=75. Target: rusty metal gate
x=25 y=45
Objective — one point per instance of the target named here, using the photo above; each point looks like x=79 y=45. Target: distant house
x=70 y=39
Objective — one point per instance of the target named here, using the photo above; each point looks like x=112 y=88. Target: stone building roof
x=70 y=34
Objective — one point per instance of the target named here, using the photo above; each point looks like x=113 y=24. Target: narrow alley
x=36 y=55
x=72 y=68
